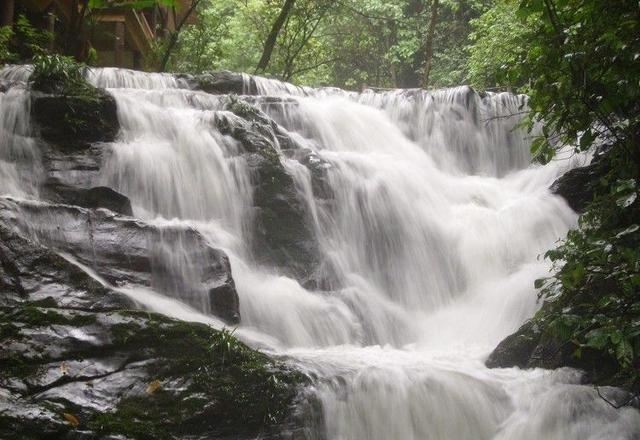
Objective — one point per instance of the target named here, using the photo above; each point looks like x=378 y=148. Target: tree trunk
x=429 y=43
x=270 y=42
x=173 y=35
x=6 y=13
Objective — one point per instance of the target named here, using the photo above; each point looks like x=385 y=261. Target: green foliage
x=350 y=44
x=30 y=40
x=6 y=55
x=582 y=66
x=593 y=295
x=203 y=45
x=582 y=70
x=22 y=41
x=498 y=42
x=58 y=74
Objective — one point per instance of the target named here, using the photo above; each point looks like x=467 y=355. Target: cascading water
x=429 y=222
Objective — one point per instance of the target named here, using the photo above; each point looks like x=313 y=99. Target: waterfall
x=426 y=222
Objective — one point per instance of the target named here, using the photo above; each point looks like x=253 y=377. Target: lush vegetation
x=581 y=70
x=348 y=43
x=58 y=74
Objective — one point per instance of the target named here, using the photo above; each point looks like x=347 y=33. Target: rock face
x=70 y=130
x=93 y=198
x=175 y=261
x=75 y=362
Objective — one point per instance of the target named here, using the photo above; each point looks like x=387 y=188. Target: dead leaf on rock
x=73 y=420
x=153 y=386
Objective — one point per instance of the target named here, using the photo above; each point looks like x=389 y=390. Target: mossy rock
x=76 y=362
x=74 y=122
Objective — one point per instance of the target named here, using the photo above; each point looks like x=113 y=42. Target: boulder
x=75 y=122
x=531 y=346
x=578 y=186
x=176 y=261
x=283 y=234
x=93 y=198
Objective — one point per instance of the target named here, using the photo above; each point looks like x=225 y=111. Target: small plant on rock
x=59 y=74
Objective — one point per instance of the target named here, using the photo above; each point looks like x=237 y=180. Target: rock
x=75 y=122
x=30 y=271
x=176 y=261
x=579 y=185
x=533 y=347
x=77 y=362
x=93 y=198
x=283 y=235
x=221 y=82
x=516 y=349
x=224 y=301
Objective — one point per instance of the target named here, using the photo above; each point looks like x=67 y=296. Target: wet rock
x=224 y=301
x=28 y=270
x=282 y=234
x=176 y=261
x=75 y=122
x=93 y=198
x=221 y=82
x=579 y=185
x=4 y=85
x=516 y=349
x=532 y=347
x=77 y=362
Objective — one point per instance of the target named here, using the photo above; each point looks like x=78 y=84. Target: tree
x=498 y=42
x=204 y=44
x=429 y=42
x=270 y=41
x=172 y=38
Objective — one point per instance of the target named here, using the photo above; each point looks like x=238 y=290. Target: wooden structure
x=122 y=37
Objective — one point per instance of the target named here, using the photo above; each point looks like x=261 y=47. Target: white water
x=433 y=236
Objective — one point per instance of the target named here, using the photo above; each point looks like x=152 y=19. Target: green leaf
x=597 y=338
x=624 y=352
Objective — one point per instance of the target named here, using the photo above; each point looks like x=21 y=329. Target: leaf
x=630 y=230
x=624 y=352
x=153 y=386
x=597 y=338
x=73 y=420
x=626 y=201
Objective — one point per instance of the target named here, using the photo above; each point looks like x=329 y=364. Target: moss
x=228 y=387
x=20 y=367
x=40 y=316
x=215 y=384
x=17 y=429
x=8 y=330
x=148 y=417
x=48 y=302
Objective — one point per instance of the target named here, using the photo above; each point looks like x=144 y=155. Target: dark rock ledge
x=77 y=363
